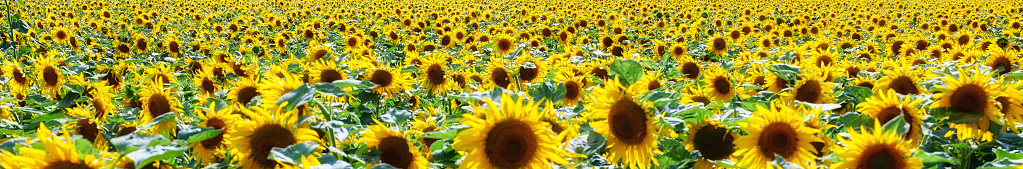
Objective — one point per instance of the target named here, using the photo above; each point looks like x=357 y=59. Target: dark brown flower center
x=969 y=98
x=809 y=92
x=510 y=144
x=500 y=77
x=528 y=74
x=435 y=74
x=395 y=152
x=63 y=164
x=382 y=78
x=89 y=130
x=881 y=156
x=504 y=45
x=720 y=44
x=903 y=85
x=722 y=85
x=158 y=105
x=778 y=138
x=245 y=94
x=264 y=139
x=208 y=86
x=329 y=75
x=714 y=143
x=211 y=143
x=628 y=121
x=50 y=76
x=691 y=70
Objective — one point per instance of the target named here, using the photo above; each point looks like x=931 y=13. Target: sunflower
x=717 y=45
x=157 y=101
x=325 y=71
x=1011 y=106
x=212 y=150
x=141 y=43
x=395 y=149
x=511 y=136
x=503 y=45
x=434 y=76
x=531 y=69
x=722 y=87
x=677 y=50
x=574 y=87
x=689 y=68
x=315 y=51
x=811 y=88
x=88 y=127
x=692 y=95
x=390 y=81
x=243 y=91
x=904 y=79
x=970 y=93
x=19 y=80
x=206 y=82
x=713 y=141
x=499 y=74
x=172 y=46
x=269 y=126
x=886 y=105
x=50 y=77
x=778 y=130
x=272 y=89
x=1003 y=60
x=59 y=152
x=877 y=149
x=649 y=82
x=61 y=35
x=628 y=123
x=159 y=74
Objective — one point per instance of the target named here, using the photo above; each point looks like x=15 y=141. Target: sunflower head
x=778 y=130
x=876 y=149
x=395 y=149
x=632 y=136
x=511 y=136
x=269 y=126
x=713 y=141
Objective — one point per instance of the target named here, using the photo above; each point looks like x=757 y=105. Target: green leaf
x=154 y=153
x=297 y=97
x=955 y=116
x=396 y=116
x=135 y=140
x=446 y=134
x=549 y=92
x=83 y=147
x=627 y=71
x=785 y=71
x=897 y=125
x=854 y=120
x=330 y=89
x=860 y=93
x=1002 y=154
x=204 y=135
x=166 y=117
x=293 y=153
x=354 y=83
x=935 y=157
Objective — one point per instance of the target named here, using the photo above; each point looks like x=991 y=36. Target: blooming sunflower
x=778 y=130
x=325 y=71
x=632 y=136
x=434 y=75
x=159 y=74
x=973 y=94
x=272 y=89
x=212 y=150
x=243 y=91
x=722 y=87
x=649 y=82
x=59 y=152
x=531 y=69
x=390 y=81
x=904 y=79
x=713 y=141
x=503 y=44
x=206 y=82
x=88 y=127
x=717 y=45
x=1011 y=106
x=499 y=75
x=689 y=68
x=269 y=126
x=50 y=77
x=876 y=149
x=19 y=80
x=574 y=87
x=811 y=88
x=886 y=105
x=395 y=149
x=511 y=136
x=158 y=101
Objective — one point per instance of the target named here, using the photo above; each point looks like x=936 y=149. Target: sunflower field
x=507 y=84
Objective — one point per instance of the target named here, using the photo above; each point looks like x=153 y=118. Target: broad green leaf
x=293 y=153
x=204 y=135
x=297 y=97
x=154 y=153
x=627 y=71
x=897 y=125
x=935 y=157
